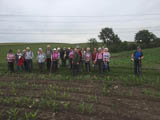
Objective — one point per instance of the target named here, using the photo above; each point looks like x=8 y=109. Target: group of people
x=76 y=59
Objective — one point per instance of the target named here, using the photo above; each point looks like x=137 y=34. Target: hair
x=10 y=51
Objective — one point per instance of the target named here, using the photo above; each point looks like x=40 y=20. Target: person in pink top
x=11 y=59
x=71 y=53
x=54 y=59
x=99 y=60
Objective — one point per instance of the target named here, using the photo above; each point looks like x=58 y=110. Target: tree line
x=143 y=38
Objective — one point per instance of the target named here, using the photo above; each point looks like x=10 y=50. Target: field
x=117 y=95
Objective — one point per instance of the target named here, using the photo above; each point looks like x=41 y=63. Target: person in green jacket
x=75 y=62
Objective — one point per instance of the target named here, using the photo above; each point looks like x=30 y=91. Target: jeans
x=100 y=65
x=88 y=66
x=41 y=67
x=106 y=66
x=54 y=66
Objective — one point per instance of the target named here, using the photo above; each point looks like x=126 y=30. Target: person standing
x=88 y=58
x=11 y=59
x=48 y=57
x=71 y=53
x=106 y=60
x=28 y=58
x=63 y=57
x=18 y=59
x=41 y=58
x=99 y=60
x=82 y=58
x=54 y=59
x=75 y=62
x=94 y=57
x=137 y=58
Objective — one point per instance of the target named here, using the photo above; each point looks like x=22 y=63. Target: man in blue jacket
x=137 y=58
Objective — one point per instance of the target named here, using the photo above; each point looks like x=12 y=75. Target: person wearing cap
x=106 y=59
x=29 y=57
x=75 y=62
x=11 y=59
x=87 y=59
x=41 y=58
x=48 y=57
x=71 y=53
x=99 y=60
x=137 y=57
x=94 y=57
x=54 y=59
x=19 y=60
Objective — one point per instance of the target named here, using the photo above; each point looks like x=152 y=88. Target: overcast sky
x=75 y=21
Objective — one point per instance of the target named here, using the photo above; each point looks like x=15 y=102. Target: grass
x=23 y=94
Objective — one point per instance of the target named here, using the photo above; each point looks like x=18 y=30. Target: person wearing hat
x=75 y=62
x=29 y=57
x=54 y=59
x=48 y=57
x=87 y=59
x=59 y=56
x=137 y=57
x=11 y=59
x=83 y=52
x=41 y=58
x=106 y=59
x=99 y=60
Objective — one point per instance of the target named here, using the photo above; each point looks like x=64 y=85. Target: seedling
x=12 y=113
x=31 y=115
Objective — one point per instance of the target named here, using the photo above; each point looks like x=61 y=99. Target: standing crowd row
x=78 y=59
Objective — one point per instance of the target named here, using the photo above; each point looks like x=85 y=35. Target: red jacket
x=21 y=61
x=80 y=54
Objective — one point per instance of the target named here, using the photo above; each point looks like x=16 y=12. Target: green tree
x=109 y=37
x=145 y=37
x=92 y=43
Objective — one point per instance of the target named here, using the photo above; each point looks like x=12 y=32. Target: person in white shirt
x=41 y=58
x=106 y=59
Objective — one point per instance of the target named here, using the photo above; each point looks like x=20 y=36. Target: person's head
x=24 y=51
x=76 y=50
x=64 y=48
x=88 y=49
x=69 y=48
x=106 y=50
x=27 y=48
x=58 y=49
x=99 y=49
x=139 y=49
x=10 y=51
x=95 y=49
x=82 y=49
x=48 y=46
x=40 y=50
x=54 y=50
x=18 y=51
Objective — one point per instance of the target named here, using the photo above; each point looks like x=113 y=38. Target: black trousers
x=88 y=66
x=11 y=66
x=75 y=69
x=137 y=67
x=41 y=67
x=48 y=64
x=70 y=63
x=29 y=65
x=100 y=65
x=63 y=62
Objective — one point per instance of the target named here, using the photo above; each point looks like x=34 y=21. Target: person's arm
x=142 y=56
x=132 y=56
